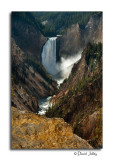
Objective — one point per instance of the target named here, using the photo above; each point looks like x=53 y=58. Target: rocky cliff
x=93 y=29
x=27 y=34
x=75 y=39
x=30 y=131
x=79 y=100
x=28 y=83
x=28 y=77
x=71 y=42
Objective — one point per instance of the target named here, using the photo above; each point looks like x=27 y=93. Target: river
x=44 y=104
x=58 y=71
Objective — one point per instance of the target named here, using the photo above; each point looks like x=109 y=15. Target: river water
x=58 y=71
x=44 y=104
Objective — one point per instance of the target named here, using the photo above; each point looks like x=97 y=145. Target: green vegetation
x=26 y=17
x=94 y=51
x=58 y=22
x=70 y=102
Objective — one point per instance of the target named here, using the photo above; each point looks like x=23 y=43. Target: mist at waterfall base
x=58 y=70
x=61 y=70
x=64 y=67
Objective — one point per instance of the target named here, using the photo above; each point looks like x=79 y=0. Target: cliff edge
x=31 y=131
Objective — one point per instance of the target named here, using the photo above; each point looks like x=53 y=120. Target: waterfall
x=61 y=70
x=49 y=56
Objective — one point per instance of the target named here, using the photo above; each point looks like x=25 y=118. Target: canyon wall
x=29 y=80
x=79 y=100
x=75 y=39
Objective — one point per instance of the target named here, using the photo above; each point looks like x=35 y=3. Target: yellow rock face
x=31 y=131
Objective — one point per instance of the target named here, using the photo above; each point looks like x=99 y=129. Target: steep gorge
x=29 y=79
x=79 y=98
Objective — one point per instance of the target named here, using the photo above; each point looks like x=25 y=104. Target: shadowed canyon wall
x=29 y=78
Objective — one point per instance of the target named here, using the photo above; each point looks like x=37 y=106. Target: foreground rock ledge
x=31 y=131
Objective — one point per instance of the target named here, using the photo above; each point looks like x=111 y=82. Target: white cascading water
x=49 y=56
x=59 y=71
x=49 y=63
